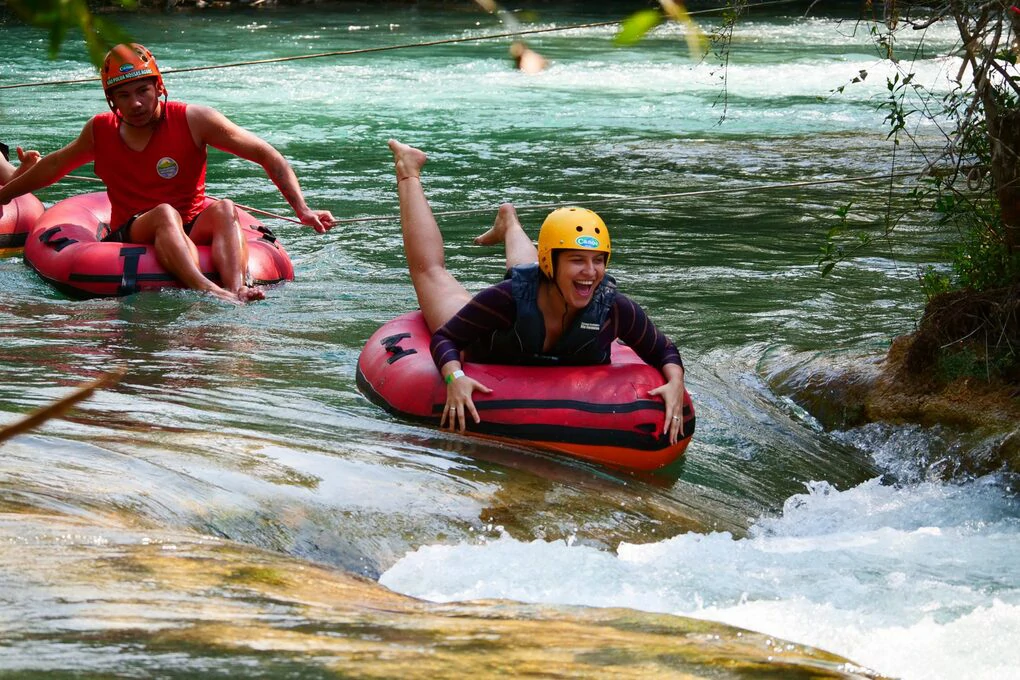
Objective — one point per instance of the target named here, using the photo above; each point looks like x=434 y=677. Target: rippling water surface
x=245 y=423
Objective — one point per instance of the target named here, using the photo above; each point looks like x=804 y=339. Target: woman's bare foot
x=506 y=219
x=407 y=159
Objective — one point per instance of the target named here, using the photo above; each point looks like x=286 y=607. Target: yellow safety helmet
x=571 y=228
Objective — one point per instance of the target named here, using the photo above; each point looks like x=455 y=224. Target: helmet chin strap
x=563 y=297
x=554 y=256
x=566 y=307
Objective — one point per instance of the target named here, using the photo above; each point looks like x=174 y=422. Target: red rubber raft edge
x=64 y=249
x=597 y=413
x=20 y=215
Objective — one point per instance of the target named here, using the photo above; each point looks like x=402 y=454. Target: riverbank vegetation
x=961 y=366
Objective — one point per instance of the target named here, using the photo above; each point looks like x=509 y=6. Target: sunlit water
x=245 y=422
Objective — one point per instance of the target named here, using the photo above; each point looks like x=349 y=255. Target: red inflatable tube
x=20 y=215
x=598 y=413
x=65 y=250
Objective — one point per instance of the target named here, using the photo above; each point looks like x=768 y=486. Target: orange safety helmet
x=128 y=61
x=571 y=228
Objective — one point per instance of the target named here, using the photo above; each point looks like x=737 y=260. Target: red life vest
x=170 y=169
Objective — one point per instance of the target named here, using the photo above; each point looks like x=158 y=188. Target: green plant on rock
x=972 y=185
x=969 y=186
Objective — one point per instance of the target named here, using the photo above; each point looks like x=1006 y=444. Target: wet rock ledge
x=181 y=605
x=960 y=371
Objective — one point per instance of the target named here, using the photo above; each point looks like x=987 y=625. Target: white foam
x=916 y=582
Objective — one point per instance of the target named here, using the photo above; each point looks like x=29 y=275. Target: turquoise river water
x=245 y=423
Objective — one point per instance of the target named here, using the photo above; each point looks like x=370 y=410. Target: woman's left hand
x=672 y=394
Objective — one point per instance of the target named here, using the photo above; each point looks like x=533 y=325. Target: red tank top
x=170 y=169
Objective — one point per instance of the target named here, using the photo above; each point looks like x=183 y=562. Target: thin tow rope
x=385 y=48
x=584 y=202
x=646 y=197
x=242 y=207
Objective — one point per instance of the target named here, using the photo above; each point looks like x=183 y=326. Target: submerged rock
x=105 y=600
x=979 y=420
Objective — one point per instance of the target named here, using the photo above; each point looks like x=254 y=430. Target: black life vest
x=522 y=343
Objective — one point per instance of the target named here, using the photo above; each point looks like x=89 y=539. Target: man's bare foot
x=250 y=294
x=235 y=297
x=506 y=219
x=224 y=295
x=408 y=160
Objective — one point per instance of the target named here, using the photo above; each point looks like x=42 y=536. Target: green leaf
x=60 y=16
x=57 y=32
x=636 y=26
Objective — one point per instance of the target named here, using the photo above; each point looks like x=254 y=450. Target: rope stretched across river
x=586 y=202
x=511 y=34
x=387 y=48
x=645 y=197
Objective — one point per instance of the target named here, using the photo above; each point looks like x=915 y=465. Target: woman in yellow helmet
x=564 y=310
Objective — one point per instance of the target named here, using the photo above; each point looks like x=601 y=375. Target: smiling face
x=137 y=101
x=578 y=273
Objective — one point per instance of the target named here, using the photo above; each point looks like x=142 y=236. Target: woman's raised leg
x=507 y=230
x=440 y=295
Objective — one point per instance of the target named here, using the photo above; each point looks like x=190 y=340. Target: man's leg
x=217 y=227
x=162 y=226
x=440 y=296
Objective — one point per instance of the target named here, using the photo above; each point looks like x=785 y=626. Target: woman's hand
x=672 y=394
x=458 y=398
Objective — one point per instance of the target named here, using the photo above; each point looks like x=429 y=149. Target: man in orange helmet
x=151 y=154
